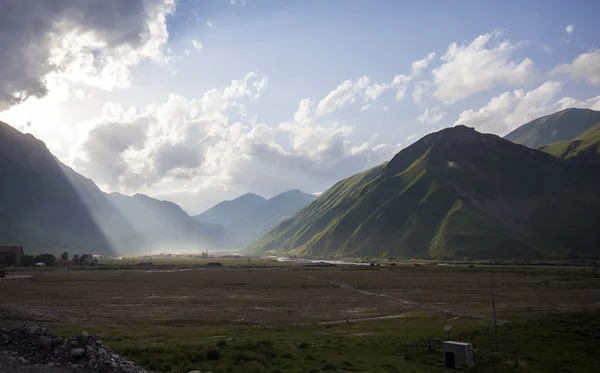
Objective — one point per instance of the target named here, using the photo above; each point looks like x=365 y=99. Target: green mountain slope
x=455 y=193
x=561 y=126
x=589 y=141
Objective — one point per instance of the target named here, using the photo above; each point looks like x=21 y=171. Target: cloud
x=86 y=41
x=350 y=91
x=569 y=102
x=197 y=45
x=209 y=23
x=365 y=107
x=547 y=48
x=510 y=110
x=586 y=66
x=431 y=116
x=569 y=29
x=209 y=145
x=421 y=89
x=475 y=67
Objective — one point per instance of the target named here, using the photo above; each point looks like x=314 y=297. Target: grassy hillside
x=455 y=193
x=564 y=125
x=589 y=141
x=226 y=212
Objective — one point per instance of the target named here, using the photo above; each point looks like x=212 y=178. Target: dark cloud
x=26 y=28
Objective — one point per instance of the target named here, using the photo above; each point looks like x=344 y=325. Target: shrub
x=303 y=345
x=26 y=261
x=213 y=354
x=222 y=343
x=250 y=367
x=328 y=366
x=47 y=259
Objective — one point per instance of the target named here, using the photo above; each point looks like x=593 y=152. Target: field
x=250 y=317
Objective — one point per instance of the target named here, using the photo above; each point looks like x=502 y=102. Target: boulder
x=78 y=353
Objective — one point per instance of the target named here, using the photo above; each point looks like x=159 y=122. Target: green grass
x=569 y=343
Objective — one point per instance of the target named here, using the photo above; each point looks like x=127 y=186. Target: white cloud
x=365 y=107
x=547 y=48
x=569 y=29
x=569 y=102
x=197 y=45
x=421 y=89
x=476 y=67
x=510 y=110
x=209 y=145
x=586 y=66
x=209 y=23
x=431 y=116
x=77 y=41
x=422 y=64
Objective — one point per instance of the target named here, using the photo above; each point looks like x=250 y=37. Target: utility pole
x=494 y=308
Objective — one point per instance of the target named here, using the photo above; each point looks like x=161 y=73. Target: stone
x=50 y=364
x=98 y=342
x=74 y=343
x=194 y=371
x=89 y=351
x=84 y=334
x=102 y=351
x=33 y=330
x=78 y=353
x=113 y=365
x=44 y=343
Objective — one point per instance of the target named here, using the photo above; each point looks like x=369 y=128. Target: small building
x=6 y=251
x=458 y=353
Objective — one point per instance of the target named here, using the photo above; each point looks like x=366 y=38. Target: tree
x=10 y=260
x=64 y=256
x=75 y=259
x=47 y=259
x=27 y=261
x=83 y=258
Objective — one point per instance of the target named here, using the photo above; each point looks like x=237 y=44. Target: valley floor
x=297 y=318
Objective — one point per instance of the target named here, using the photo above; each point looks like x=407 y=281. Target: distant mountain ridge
x=454 y=193
x=564 y=125
x=249 y=216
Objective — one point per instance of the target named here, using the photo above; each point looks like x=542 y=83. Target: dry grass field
x=354 y=319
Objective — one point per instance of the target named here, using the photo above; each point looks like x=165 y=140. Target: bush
x=303 y=345
x=250 y=367
x=213 y=354
x=241 y=357
x=47 y=259
x=328 y=366
x=222 y=343
x=27 y=261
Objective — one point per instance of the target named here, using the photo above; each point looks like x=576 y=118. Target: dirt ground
x=288 y=295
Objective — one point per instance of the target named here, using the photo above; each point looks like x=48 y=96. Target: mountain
x=226 y=212
x=561 y=126
x=589 y=141
x=268 y=215
x=47 y=207
x=167 y=226
x=454 y=193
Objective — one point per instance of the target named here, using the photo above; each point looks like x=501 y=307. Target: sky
x=198 y=101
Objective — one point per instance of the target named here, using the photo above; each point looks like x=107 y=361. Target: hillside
x=454 y=193
x=166 y=226
x=561 y=126
x=47 y=207
x=589 y=141
x=226 y=212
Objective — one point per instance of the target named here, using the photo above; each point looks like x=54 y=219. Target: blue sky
x=318 y=90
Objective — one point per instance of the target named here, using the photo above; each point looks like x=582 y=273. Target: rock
x=33 y=330
x=113 y=365
x=50 y=364
x=78 y=353
x=22 y=360
x=89 y=351
x=84 y=335
x=194 y=371
x=74 y=343
x=102 y=351
x=44 y=343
